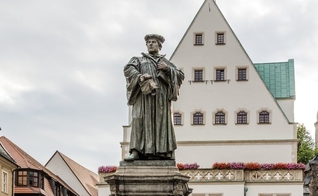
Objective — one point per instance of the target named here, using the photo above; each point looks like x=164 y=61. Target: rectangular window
x=198 y=75
x=198 y=39
x=34 y=179
x=241 y=74
x=220 y=39
x=4 y=182
x=219 y=74
x=22 y=178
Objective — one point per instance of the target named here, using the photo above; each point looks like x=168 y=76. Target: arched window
x=198 y=118
x=241 y=117
x=220 y=117
x=264 y=117
x=177 y=118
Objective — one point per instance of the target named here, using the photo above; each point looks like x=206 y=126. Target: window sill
x=178 y=125
x=198 y=44
x=198 y=81
x=242 y=80
x=219 y=43
x=241 y=123
x=264 y=123
x=228 y=81
x=197 y=124
x=220 y=124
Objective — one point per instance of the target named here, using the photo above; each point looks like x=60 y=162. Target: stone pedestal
x=148 y=178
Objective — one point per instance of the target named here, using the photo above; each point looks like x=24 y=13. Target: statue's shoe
x=131 y=157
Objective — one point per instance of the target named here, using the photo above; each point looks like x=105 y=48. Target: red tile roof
x=87 y=178
x=24 y=160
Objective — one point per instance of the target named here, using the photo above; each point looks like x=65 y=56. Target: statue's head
x=154 y=42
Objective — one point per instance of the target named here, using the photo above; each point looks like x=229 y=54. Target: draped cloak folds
x=152 y=132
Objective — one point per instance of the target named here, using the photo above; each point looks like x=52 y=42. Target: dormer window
x=32 y=178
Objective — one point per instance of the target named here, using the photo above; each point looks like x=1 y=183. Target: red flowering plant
x=180 y=166
x=187 y=166
x=222 y=165
x=252 y=166
x=234 y=165
x=107 y=169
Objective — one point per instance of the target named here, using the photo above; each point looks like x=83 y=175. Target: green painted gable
x=278 y=77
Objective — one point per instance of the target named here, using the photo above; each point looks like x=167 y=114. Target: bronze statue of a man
x=152 y=83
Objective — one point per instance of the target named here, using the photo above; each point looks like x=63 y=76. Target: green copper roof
x=278 y=77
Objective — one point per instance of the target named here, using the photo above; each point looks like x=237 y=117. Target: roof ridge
x=37 y=165
x=75 y=167
x=17 y=149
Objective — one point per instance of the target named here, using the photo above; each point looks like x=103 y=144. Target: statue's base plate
x=148 y=163
x=145 y=178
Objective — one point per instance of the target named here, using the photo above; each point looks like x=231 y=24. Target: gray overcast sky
x=61 y=64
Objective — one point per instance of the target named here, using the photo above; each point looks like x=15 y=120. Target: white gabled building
x=232 y=110
x=221 y=79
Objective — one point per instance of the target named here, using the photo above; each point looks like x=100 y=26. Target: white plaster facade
x=58 y=165
x=209 y=143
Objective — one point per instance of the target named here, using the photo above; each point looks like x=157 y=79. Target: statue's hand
x=162 y=66
x=145 y=77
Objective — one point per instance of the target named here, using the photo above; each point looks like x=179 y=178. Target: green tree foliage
x=306 y=146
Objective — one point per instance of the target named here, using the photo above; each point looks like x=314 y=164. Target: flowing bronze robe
x=152 y=131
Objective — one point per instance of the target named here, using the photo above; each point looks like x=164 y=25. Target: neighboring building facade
x=7 y=165
x=32 y=178
x=82 y=180
x=232 y=110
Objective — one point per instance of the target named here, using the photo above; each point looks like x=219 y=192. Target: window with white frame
x=4 y=182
